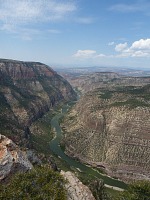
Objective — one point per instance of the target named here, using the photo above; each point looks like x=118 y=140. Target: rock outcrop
x=12 y=159
x=27 y=91
x=75 y=188
x=111 y=129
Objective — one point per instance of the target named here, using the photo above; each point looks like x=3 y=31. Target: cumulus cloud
x=141 y=44
x=121 y=46
x=140 y=48
x=87 y=54
x=84 y=53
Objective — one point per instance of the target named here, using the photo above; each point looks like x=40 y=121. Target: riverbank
x=56 y=149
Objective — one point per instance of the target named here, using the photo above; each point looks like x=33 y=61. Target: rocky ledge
x=12 y=159
x=75 y=188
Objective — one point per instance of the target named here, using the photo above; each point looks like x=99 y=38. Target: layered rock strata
x=111 y=130
x=27 y=91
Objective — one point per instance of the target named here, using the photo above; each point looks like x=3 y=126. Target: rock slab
x=12 y=159
x=75 y=188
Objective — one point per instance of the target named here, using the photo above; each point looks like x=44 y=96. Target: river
x=55 y=147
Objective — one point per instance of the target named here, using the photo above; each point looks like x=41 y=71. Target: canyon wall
x=27 y=91
x=110 y=129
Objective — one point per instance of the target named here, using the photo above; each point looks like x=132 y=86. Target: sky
x=76 y=32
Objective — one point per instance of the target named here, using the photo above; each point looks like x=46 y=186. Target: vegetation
x=43 y=134
x=38 y=184
x=135 y=91
x=139 y=190
x=106 y=95
x=138 y=96
x=96 y=186
x=132 y=103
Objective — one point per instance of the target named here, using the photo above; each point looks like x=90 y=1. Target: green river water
x=55 y=147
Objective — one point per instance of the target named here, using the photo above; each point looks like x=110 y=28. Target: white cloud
x=111 y=43
x=26 y=11
x=87 y=54
x=121 y=46
x=141 y=44
x=140 y=54
x=140 y=48
x=17 y=14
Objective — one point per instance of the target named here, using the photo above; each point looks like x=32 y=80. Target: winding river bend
x=55 y=147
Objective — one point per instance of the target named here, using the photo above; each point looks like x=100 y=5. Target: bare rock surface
x=75 y=188
x=12 y=159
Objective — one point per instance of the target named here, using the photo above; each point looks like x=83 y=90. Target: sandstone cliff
x=27 y=91
x=111 y=129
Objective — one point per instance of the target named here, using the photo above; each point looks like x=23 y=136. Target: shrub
x=38 y=184
x=139 y=190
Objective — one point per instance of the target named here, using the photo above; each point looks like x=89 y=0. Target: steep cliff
x=111 y=129
x=27 y=91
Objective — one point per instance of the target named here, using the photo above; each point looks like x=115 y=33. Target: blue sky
x=76 y=32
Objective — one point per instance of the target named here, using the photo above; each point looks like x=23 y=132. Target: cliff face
x=111 y=129
x=27 y=91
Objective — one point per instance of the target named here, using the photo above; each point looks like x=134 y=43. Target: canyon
x=108 y=127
